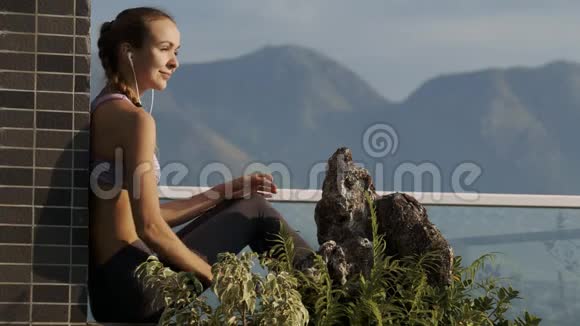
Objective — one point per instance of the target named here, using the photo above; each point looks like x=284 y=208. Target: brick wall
x=44 y=99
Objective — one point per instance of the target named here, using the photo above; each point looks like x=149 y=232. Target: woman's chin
x=160 y=86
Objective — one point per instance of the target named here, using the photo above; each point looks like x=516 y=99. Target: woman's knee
x=260 y=202
x=256 y=206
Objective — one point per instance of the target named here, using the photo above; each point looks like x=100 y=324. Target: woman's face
x=156 y=61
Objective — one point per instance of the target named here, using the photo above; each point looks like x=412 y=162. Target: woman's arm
x=138 y=142
x=179 y=211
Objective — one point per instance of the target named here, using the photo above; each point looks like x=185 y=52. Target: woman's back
x=111 y=221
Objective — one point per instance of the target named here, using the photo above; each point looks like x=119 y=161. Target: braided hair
x=129 y=26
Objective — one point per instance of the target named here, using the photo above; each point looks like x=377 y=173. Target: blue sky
x=394 y=45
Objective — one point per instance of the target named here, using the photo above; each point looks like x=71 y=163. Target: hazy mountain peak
x=296 y=53
x=561 y=65
x=294 y=83
x=484 y=81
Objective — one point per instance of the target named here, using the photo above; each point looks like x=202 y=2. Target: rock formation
x=342 y=215
x=343 y=223
x=407 y=231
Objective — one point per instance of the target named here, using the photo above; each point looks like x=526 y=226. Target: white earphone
x=130 y=57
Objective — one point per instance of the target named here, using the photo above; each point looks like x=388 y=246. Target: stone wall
x=44 y=104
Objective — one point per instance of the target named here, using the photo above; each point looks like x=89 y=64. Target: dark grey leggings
x=115 y=294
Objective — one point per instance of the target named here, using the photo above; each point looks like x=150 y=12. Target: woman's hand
x=247 y=186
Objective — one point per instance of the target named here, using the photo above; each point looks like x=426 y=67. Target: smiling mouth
x=166 y=75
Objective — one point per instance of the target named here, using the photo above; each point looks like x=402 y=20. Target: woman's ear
x=127 y=50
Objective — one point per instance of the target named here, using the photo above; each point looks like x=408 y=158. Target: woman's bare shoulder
x=123 y=124
x=121 y=114
x=116 y=109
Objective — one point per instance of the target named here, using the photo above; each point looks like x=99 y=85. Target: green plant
x=245 y=298
x=178 y=292
x=396 y=292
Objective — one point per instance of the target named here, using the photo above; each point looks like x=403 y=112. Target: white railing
x=426 y=198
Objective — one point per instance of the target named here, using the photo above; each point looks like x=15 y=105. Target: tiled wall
x=44 y=99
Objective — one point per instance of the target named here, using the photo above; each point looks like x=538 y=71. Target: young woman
x=138 y=51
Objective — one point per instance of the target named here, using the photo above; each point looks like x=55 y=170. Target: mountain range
x=296 y=106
